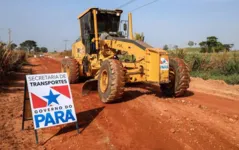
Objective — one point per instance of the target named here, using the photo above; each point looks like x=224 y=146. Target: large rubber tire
x=179 y=77
x=114 y=88
x=71 y=67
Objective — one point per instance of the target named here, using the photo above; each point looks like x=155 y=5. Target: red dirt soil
x=206 y=118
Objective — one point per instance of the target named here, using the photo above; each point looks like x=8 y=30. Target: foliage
x=37 y=50
x=175 y=47
x=40 y=50
x=13 y=46
x=2 y=45
x=139 y=36
x=223 y=66
x=165 y=47
x=192 y=49
x=66 y=53
x=44 y=49
x=231 y=79
x=28 y=45
x=213 y=45
x=180 y=53
x=190 y=43
x=10 y=60
x=227 y=47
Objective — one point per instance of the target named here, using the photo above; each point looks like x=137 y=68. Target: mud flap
x=90 y=85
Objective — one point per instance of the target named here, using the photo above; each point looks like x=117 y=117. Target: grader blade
x=90 y=85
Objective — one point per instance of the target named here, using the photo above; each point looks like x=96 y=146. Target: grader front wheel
x=111 y=80
x=179 y=78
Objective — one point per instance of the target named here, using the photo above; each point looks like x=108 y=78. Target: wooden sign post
x=27 y=112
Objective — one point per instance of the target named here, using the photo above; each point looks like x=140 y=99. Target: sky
x=172 y=22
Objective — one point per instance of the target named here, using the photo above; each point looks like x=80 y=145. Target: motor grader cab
x=110 y=60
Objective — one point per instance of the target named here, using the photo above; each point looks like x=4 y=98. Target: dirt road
x=207 y=118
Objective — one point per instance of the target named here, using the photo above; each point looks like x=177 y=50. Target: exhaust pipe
x=131 y=36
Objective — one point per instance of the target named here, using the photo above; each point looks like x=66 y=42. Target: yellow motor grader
x=110 y=59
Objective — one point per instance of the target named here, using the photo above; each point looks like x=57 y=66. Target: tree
x=228 y=47
x=165 y=47
x=44 y=49
x=190 y=43
x=28 y=45
x=139 y=36
x=211 y=45
x=37 y=49
x=204 y=46
x=175 y=47
x=13 y=46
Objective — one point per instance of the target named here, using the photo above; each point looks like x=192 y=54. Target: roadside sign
x=51 y=100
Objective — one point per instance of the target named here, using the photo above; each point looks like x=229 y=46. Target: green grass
x=218 y=66
x=229 y=79
x=192 y=49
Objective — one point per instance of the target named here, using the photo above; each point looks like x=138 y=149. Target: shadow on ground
x=150 y=89
x=84 y=119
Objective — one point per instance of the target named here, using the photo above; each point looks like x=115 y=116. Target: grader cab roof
x=101 y=10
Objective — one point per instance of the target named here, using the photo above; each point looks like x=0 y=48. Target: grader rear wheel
x=71 y=67
x=111 y=80
x=179 y=78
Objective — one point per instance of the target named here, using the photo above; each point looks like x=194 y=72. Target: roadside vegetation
x=10 y=59
x=13 y=56
x=212 y=60
x=66 y=53
x=31 y=48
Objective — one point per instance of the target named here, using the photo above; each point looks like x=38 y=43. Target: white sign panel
x=51 y=100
